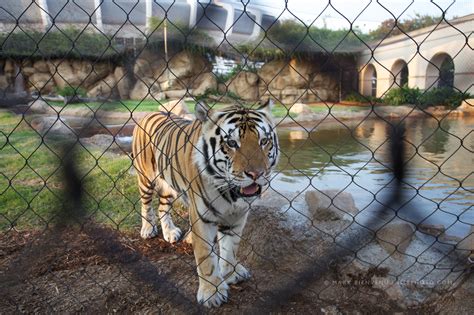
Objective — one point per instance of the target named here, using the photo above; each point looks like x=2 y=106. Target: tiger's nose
x=254 y=174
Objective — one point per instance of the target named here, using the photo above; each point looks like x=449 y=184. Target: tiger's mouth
x=251 y=190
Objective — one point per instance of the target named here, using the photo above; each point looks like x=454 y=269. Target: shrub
x=70 y=42
x=442 y=96
x=357 y=97
x=223 y=78
x=402 y=95
x=71 y=91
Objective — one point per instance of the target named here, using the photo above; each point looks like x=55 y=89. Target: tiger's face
x=238 y=148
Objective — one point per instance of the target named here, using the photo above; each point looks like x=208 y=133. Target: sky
x=367 y=13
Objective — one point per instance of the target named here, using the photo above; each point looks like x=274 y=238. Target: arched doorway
x=369 y=82
x=440 y=71
x=399 y=73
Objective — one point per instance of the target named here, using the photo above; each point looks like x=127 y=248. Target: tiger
x=217 y=165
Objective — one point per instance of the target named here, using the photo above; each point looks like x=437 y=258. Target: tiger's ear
x=267 y=107
x=202 y=111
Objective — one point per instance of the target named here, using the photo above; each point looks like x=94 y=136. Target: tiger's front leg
x=213 y=289
x=229 y=237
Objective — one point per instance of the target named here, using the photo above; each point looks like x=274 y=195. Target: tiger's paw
x=237 y=274
x=148 y=231
x=172 y=235
x=211 y=295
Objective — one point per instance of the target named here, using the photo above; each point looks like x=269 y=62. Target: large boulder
x=41 y=107
x=300 y=109
x=330 y=204
x=41 y=66
x=245 y=85
x=467 y=244
x=396 y=236
x=123 y=82
x=279 y=74
x=204 y=82
x=177 y=107
x=466 y=107
x=105 y=88
x=41 y=82
x=78 y=72
x=185 y=64
x=4 y=84
x=146 y=88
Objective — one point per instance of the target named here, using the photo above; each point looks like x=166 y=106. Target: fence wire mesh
x=369 y=208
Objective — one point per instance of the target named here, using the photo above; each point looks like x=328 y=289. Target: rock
x=222 y=88
x=27 y=71
x=41 y=82
x=177 y=107
x=396 y=236
x=330 y=204
x=390 y=286
x=467 y=107
x=41 y=66
x=280 y=74
x=41 y=107
x=78 y=73
x=174 y=94
x=143 y=68
x=52 y=126
x=146 y=88
x=109 y=143
x=204 y=82
x=432 y=229
x=467 y=244
x=9 y=67
x=244 y=84
x=300 y=109
x=4 y=82
x=123 y=82
x=105 y=88
x=185 y=64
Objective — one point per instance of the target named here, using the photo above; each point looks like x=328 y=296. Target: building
x=440 y=55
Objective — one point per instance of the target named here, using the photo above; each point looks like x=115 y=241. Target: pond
x=439 y=183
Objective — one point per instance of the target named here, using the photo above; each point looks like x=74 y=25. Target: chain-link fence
x=369 y=208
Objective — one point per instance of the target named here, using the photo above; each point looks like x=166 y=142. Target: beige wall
x=444 y=39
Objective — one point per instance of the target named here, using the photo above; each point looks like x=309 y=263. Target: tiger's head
x=238 y=148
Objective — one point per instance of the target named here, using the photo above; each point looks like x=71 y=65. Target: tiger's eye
x=264 y=141
x=232 y=143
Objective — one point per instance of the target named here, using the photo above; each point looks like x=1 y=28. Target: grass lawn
x=31 y=184
x=279 y=110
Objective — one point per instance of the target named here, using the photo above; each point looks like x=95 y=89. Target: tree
x=392 y=27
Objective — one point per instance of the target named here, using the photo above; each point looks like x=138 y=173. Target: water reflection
x=439 y=181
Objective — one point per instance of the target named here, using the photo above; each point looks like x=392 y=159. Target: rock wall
x=185 y=74
x=149 y=76
x=289 y=82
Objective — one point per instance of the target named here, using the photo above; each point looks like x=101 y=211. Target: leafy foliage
x=179 y=36
x=402 y=95
x=223 y=78
x=71 y=91
x=443 y=96
x=392 y=27
x=290 y=38
x=69 y=43
x=357 y=97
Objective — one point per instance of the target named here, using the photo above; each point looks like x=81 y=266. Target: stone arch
x=440 y=71
x=399 y=73
x=369 y=80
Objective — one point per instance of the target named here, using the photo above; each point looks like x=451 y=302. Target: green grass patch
x=31 y=184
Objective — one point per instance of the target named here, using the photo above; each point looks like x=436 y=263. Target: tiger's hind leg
x=149 y=228
x=171 y=233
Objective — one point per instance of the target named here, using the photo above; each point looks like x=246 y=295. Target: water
x=439 y=183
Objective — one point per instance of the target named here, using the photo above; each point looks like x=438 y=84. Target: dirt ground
x=100 y=270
